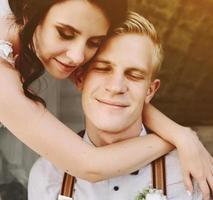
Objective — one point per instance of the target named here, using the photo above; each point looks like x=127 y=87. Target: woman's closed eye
x=65 y=35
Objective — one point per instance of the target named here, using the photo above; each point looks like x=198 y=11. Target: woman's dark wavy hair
x=34 y=11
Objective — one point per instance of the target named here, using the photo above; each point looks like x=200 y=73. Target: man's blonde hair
x=135 y=23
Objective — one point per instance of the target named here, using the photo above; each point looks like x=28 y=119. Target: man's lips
x=113 y=103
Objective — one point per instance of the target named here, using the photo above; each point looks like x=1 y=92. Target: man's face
x=118 y=83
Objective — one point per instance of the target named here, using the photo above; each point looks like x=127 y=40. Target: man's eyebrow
x=70 y=28
x=138 y=69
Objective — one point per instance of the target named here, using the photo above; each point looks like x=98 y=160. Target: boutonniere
x=61 y=197
x=151 y=194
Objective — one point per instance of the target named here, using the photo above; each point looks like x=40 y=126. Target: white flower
x=155 y=196
x=61 y=197
x=151 y=194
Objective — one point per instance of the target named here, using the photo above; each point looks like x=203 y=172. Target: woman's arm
x=41 y=131
x=195 y=159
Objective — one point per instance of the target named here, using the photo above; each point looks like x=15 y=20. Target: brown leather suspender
x=158 y=177
x=68 y=183
x=158 y=172
x=67 y=187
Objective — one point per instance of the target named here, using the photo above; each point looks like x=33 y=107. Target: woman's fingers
x=188 y=183
x=210 y=182
x=197 y=164
x=205 y=189
x=205 y=177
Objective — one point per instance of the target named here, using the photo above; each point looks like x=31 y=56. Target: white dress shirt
x=45 y=182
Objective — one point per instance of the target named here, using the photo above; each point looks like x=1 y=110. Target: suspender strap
x=158 y=171
x=159 y=174
x=67 y=185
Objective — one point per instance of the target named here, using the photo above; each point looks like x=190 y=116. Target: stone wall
x=186 y=30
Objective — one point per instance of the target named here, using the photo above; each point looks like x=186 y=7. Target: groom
x=115 y=86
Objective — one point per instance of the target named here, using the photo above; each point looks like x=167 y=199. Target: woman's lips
x=64 y=67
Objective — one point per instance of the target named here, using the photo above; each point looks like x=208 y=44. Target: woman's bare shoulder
x=9 y=29
x=6 y=23
x=9 y=77
x=7 y=68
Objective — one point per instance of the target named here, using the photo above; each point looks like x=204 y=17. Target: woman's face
x=69 y=36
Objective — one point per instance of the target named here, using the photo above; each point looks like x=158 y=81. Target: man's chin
x=110 y=128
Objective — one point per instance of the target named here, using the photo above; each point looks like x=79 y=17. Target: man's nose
x=116 y=84
x=76 y=54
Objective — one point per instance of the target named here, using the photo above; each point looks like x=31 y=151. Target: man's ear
x=79 y=82
x=77 y=78
x=154 y=86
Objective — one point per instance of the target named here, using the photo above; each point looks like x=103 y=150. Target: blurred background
x=186 y=93
x=186 y=31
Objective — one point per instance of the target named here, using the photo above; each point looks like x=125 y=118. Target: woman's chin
x=58 y=74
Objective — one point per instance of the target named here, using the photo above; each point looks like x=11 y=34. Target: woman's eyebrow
x=74 y=30
x=70 y=28
x=99 y=37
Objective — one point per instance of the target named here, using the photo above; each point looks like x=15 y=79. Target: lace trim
x=6 y=51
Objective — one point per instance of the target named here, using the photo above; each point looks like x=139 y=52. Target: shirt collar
x=87 y=139
x=142 y=133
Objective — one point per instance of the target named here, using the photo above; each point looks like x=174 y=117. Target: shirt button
x=116 y=188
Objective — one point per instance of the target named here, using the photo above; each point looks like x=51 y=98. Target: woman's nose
x=76 y=54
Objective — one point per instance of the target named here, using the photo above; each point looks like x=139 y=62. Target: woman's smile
x=63 y=67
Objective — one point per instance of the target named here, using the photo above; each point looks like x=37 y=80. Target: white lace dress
x=4 y=12
x=6 y=52
x=14 y=155
x=13 y=152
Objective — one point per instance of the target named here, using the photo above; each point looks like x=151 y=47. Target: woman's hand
x=196 y=162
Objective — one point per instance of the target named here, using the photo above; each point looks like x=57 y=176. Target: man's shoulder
x=172 y=158
x=44 y=181
x=174 y=179
x=173 y=168
x=44 y=168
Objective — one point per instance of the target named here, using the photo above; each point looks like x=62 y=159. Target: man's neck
x=101 y=138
